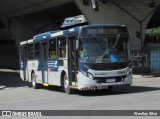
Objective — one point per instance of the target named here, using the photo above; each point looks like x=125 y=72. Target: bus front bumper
x=85 y=83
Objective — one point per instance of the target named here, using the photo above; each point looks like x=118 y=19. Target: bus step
x=45 y=84
x=73 y=87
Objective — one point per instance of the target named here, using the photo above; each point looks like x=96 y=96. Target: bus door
x=24 y=60
x=72 y=56
x=44 y=59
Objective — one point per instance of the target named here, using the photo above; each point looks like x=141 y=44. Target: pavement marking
x=20 y=101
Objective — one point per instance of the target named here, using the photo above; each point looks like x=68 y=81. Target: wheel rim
x=66 y=84
x=33 y=81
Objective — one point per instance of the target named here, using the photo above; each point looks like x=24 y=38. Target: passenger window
x=37 y=50
x=30 y=51
x=52 y=48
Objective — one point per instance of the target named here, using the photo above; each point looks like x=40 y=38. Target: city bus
x=86 y=57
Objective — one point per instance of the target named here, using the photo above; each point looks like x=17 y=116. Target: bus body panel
x=54 y=76
x=33 y=66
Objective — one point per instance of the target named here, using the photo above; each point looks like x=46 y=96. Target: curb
x=137 y=76
x=9 y=70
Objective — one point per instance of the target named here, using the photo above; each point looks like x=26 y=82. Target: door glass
x=52 y=48
x=62 y=47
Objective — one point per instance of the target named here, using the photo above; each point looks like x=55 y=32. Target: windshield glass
x=103 y=49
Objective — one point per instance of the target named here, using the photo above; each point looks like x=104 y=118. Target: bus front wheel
x=67 y=89
x=34 y=84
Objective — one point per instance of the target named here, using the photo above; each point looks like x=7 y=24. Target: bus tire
x=34 y=84
x=67 y=89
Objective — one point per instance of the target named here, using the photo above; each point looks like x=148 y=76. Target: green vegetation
x=153 y=31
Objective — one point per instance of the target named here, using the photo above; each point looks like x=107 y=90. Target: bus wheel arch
x=62 y=81
x=65 y=83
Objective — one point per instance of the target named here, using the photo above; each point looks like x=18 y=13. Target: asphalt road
x=144 y=94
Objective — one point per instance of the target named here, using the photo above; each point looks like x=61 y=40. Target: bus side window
x=62 y=47
x=37 y=50
x=52 y=48
x=30 y=51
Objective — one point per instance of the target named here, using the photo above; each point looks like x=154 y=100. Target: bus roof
x=43 y=36
x=27 y=41
x=55 y=33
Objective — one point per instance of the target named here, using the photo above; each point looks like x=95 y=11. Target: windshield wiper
x=115 y=44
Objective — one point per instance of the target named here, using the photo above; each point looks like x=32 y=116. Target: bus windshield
x=103 y=49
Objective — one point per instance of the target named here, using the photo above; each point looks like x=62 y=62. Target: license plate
x=111 y=80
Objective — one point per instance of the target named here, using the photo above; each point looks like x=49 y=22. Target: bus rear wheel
x=67 y=89
x=34 y=84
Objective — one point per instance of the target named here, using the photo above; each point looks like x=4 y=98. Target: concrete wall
x=111 y=14
x=8 y=56
x=21 y=28
x=25 y=27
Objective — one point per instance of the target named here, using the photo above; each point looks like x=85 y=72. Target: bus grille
x=103 y=79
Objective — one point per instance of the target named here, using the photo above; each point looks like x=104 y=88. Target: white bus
x=83 y=58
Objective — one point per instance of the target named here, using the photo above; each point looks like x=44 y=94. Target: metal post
x=141 y=37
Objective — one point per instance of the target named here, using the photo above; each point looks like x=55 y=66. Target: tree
x=153 y=32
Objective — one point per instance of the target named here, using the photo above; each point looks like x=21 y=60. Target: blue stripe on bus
x=82 y=67
x=43 y=36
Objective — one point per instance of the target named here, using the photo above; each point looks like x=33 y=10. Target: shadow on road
x=119 y=90
x=11 y=79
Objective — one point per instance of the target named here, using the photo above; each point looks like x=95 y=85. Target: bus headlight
x=90 y=75
x=87 y=74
